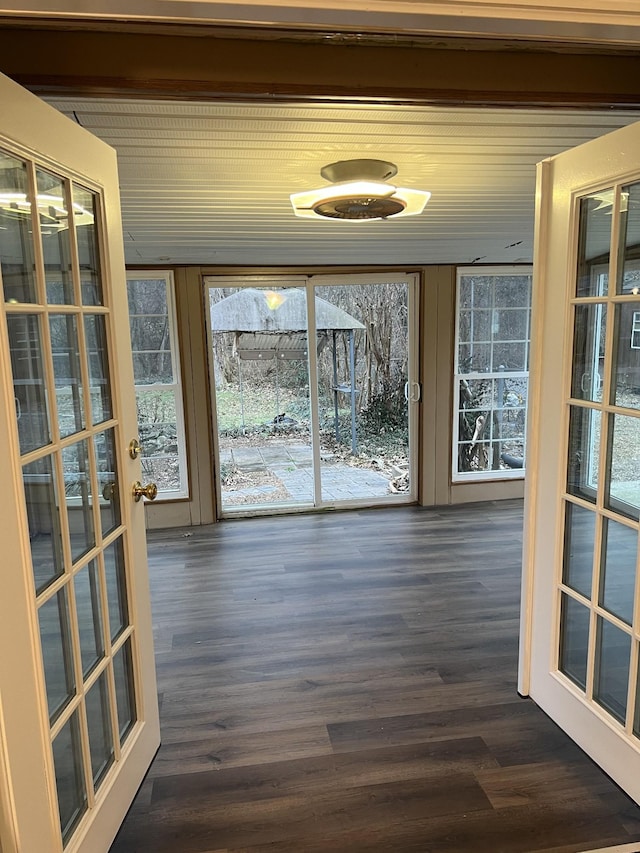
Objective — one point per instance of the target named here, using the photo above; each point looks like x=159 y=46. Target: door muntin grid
x=599 y=618
x=57 y=320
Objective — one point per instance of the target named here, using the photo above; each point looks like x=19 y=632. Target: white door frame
x=308 y=283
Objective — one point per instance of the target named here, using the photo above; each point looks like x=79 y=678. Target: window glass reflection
x=114 y=567
x=574 y=640
x=594 y=238
x=53 y=214
x=583 y=464
x=43 y=514
x=28 y=381
x=624 y=466
x=628 y=266
x=97 y=353
x=16 y=232
x=588 y=352
x=77 y=480
x=89 y=612
x=109 y=495
x=125 y=690
x=613 y=650
x=626 y=375
x=618 y=570
x=66 y=368
x=85 y=217
x=67 y=758
x=100 y=733
x=579 y=543
x=57 y=655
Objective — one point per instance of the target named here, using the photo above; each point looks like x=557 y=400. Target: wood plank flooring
x=346 y=682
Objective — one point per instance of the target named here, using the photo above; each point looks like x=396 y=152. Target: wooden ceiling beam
x=205 y=63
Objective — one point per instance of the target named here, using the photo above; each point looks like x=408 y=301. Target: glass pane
x=16 y=228
x=584 y=452
x=43 y=514
x=96 y=336
x=476 y=291
x=54 y=227
x=626 y=376
x=28 y=381
x=593 y=244
x=77 y=483
x=114 y=567
x=158 y=429
x=262 y=395
x=150 y=331
x=613 y=651
x=147 y=296
x=109 y=494
x=624 y=480
x=579 y=545
x=512 y=291
x=66 y=367
x=151 y=368
x=588 y=352
x=510 y=356
x=629 y=269
x=67 y=758
x=87 y=589
x=100 y=733
x=574 y=640
x=56 y=652
x=85 y=217
x=125 y=695
x=475 y=326
x=491 y=423
x=362 y=405
x=618 y=572
x=511 y=324
x=474 y=358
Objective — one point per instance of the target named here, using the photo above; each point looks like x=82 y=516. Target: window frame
x=635 y=330
x=175 y=387
x=494 y=375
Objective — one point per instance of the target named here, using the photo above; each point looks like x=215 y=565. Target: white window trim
x=175 y=386
x=482 y=476
x=635 y=330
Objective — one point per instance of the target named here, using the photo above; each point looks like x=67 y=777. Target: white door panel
x=77 y=681
x=581 y=620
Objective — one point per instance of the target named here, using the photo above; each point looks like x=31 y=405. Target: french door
x=580 y=645
x=78 y=705
x=314 y=390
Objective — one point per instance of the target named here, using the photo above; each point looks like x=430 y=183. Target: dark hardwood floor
x=347 y=682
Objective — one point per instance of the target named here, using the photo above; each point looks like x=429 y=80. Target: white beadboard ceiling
x=210 y=183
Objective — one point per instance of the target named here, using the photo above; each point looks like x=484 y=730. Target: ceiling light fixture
x=359 y=193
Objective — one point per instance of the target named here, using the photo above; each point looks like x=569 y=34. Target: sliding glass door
x=259 y=369
x=312 y=418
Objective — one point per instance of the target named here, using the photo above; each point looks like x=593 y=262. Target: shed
x=272 y=324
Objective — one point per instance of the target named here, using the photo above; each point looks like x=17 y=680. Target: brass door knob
x=109 y=491
x=150 y=491
x=135 y=449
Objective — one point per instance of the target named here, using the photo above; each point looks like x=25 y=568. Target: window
x=493 y=314
x=635 y=330
x=156 y=369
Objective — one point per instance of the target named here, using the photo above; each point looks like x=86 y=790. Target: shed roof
x=257 y=310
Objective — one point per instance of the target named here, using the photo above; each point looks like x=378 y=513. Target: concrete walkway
x=291 y=463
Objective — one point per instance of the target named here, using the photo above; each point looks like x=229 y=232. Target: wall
x=437 y=324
